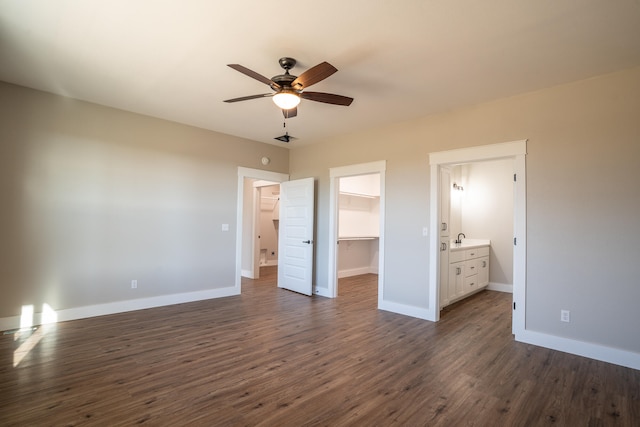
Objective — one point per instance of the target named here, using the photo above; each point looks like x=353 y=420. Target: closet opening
x=356 y=230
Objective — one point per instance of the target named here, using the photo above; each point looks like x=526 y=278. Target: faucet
x=459 y=240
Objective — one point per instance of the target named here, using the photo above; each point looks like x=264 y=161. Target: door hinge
x=514 y=178
x=515 y=241
x=514 y=305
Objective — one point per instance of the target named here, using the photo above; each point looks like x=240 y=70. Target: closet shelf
x=366 y=196
x=358 y=238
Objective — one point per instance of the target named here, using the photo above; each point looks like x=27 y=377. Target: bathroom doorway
x=515 y=152
x=480 y=212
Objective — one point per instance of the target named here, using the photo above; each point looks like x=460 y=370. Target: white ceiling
x=399 y=59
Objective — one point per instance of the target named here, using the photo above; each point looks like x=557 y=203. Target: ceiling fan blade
x=290 y=113
x=246 y=98
x=314 y=74
x=327 y=98
x=254 y=75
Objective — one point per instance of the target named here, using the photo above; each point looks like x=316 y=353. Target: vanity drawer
x=471 y=267
x=470 y=283
x=476 y=252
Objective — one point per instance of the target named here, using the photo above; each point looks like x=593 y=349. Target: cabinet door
x=445 y=201
x=444 y=272
x=456 y=280
x=483 y=271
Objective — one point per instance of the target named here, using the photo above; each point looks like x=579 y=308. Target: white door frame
x=517 y=151
x=334 y=193
x=253 y=174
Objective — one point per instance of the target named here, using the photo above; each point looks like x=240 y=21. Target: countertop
x=468 y=244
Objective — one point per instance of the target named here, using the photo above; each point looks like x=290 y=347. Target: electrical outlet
x=134 y=284
x=565 y=316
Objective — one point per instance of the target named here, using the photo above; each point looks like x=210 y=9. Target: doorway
x=365 y=235
x=260 y=226
x=248 y=204
x=480 y=211
x=358 y=228
x=515 y=151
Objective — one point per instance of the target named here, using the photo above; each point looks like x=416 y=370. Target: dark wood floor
x=275 y=358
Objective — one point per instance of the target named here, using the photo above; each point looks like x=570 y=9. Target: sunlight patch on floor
x=27 y=320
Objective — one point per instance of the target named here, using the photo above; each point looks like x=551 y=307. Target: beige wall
x=94 y=197
x=582 y=200
x=485 y=208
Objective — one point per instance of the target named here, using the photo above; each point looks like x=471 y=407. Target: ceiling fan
x=289 y=89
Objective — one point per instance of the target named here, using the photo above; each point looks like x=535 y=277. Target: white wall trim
x=84 y=312
x=434 y=243
x=322 y=292
x=478 y=153
x=359 y=169
x=500 y=287
x=407 y=310
x=334 y=175
x=349 y=272
x=254 y=174
x=581 y=348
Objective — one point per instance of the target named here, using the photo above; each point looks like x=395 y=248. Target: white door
x=295 y=243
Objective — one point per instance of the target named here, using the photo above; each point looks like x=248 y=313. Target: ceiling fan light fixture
x=286 y=99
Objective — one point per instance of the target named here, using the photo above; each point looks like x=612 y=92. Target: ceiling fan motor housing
x=283 y=80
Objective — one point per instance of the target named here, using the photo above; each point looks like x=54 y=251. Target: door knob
x=306 y=241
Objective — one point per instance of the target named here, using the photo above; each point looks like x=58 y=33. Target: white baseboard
x=616 y=356
x=247 y=273
x=8 y=323
x=269 y=263
x=407 y=310
x=322 y=292
x=500 y=287
x=357 y=271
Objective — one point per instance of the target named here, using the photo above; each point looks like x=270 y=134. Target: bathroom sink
x=469 y=243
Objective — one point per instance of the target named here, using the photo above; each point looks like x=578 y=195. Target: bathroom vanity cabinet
x=468 y=270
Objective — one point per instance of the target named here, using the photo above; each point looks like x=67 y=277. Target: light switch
x=225 y=227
